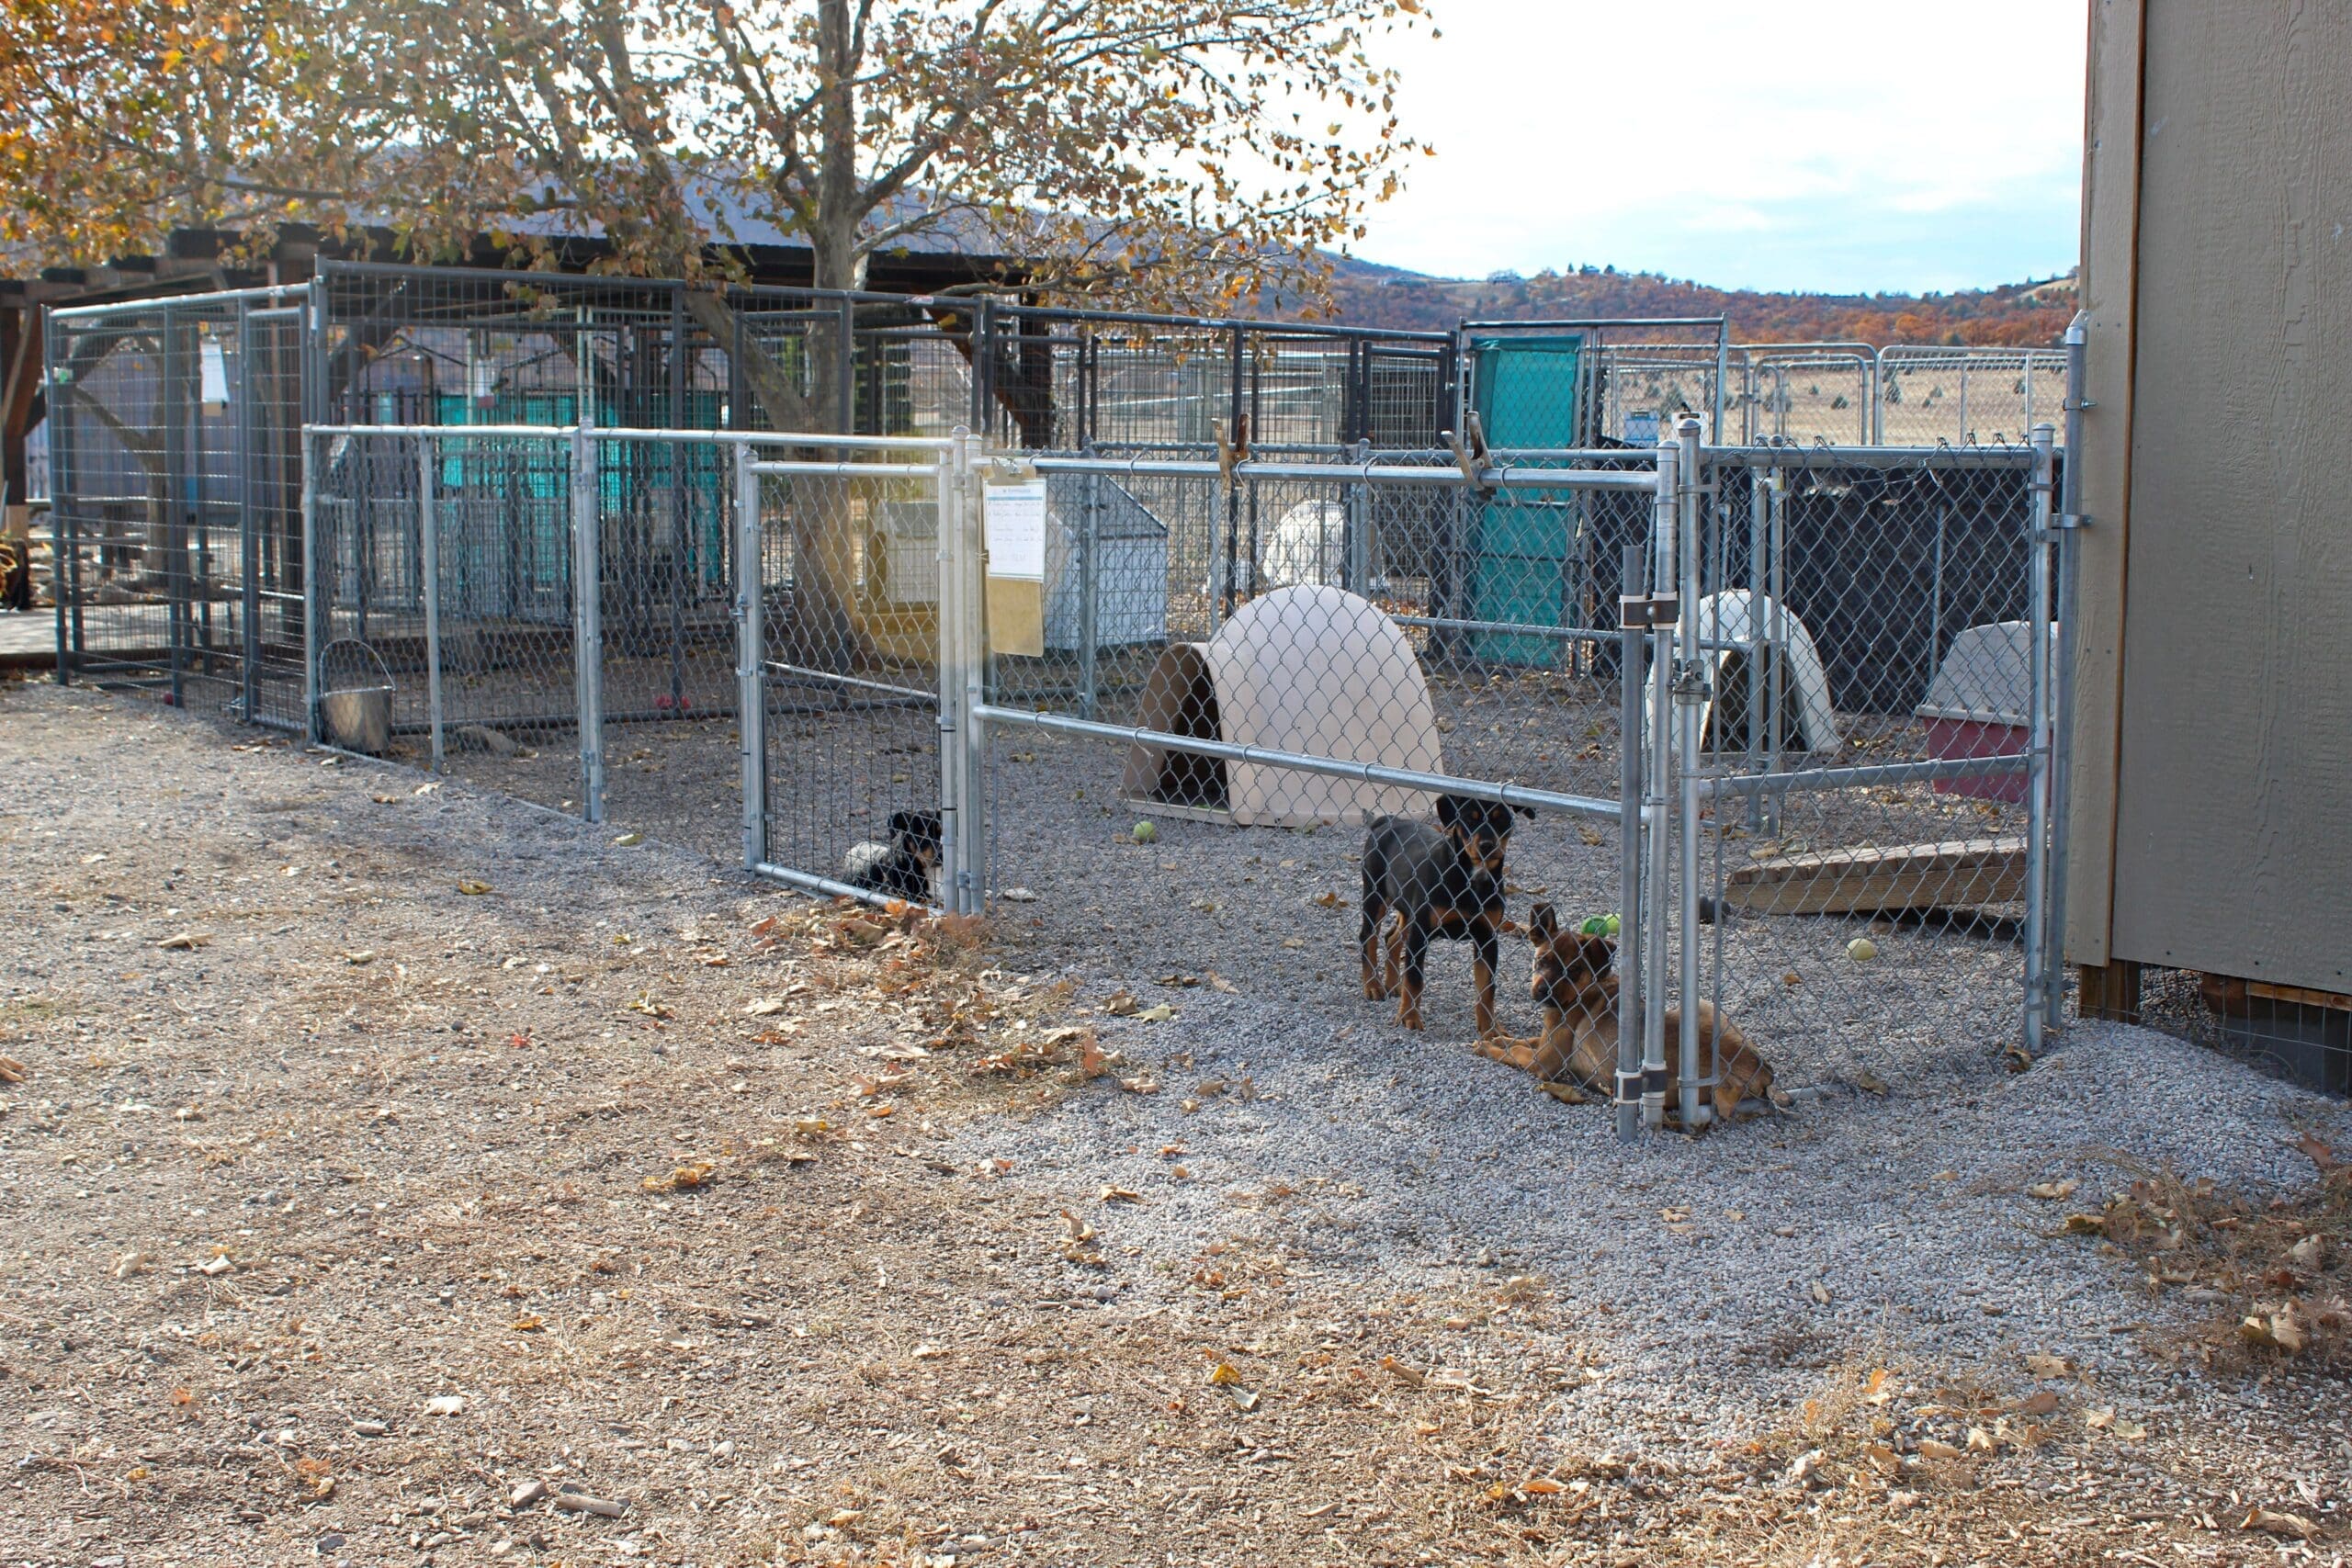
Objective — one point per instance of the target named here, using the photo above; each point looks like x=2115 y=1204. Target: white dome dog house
x=1728 y=623
x=1314 y=670
x=1309 y=546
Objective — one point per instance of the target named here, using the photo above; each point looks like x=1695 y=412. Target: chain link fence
x=175 y=472
x=1257 y=658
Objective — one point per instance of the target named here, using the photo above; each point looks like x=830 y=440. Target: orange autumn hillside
x=2017 y=315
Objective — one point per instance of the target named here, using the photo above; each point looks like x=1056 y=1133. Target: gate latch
x=1639 y=612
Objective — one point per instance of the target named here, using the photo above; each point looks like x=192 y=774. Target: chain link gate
x=851 y=689
x=1864 y=707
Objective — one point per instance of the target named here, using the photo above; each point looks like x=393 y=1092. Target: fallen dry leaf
x=683 y=1177
x=13 y=1071
x=2270 y=1523
x=184 y=941
x=2051 y=1191
x=2047 y=1366
x=472 y=888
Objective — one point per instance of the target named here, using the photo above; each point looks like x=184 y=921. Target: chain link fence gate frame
x=1871 y=650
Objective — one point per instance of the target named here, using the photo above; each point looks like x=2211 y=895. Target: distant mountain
x=2015 y=315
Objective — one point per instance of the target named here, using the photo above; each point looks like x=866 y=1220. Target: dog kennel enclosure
x=659 y=608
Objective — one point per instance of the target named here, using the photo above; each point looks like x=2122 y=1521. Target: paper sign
x=1016 y=531
x=213 y=375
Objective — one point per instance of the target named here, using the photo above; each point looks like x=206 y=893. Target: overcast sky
x=1838 y=145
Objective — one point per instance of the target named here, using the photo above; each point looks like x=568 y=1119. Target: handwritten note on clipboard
x=1015 y=520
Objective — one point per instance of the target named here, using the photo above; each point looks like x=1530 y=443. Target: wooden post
x=2109 y=991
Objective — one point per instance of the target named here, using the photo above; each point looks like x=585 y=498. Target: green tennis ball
x=1597 y=926
x=1861 y=950
x=1145 y=832
x=1614 y=925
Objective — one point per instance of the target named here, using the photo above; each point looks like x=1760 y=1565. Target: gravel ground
x=1279 y=1285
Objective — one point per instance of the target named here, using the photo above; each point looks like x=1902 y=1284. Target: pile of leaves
x=2275 y=1270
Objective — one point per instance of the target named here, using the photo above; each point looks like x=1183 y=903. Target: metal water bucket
x=357 y=717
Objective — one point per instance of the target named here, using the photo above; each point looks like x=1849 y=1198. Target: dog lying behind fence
x=1445 y=881
x=907 y=866
x=1575 y=984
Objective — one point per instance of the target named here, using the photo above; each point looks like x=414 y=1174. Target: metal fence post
x=1090 y=587
x=1760 y=650
x=2037 y=849
x=1631 y=676
x=248 y=543
x=588 y=617
x=64 y=537
x=313 y=590
x=1657 y=773
x=971 y=878
x=174 y=565
x=428 y=526
x=947 y=548
x=751 y=659
x=2062 y=714
x=1691 y=689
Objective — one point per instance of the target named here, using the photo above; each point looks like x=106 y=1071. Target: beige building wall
x=2212 y=813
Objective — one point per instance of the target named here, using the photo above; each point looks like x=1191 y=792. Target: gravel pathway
x=1430 y=1283
x=1416 y=1160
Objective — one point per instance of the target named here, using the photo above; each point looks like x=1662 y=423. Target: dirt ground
x=395 y=1173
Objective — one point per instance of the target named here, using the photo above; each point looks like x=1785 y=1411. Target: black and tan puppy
x=905 y=867
x=1575 y=984
x=1442 y=881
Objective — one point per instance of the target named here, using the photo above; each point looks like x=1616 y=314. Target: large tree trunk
x=823 y=631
